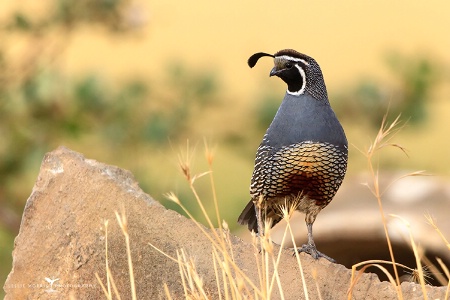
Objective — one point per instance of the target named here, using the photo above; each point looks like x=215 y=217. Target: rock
x=61 y=244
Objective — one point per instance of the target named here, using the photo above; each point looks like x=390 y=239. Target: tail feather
x=268 y=214
x=248 y=217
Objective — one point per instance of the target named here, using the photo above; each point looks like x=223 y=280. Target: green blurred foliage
x=418 y=77
x=266 y=110
x=42 y=107
x=187 y=94
x=412 y=82
x=111 y=15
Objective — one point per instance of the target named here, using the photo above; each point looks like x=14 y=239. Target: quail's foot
x=312 y=250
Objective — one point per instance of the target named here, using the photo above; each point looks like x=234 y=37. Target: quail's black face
x=290 y=71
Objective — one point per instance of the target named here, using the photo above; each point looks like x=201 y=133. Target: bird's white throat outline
x=301 y=91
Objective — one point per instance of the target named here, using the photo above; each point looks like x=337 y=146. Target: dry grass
x=122 y=221
x=420 y=273
x=233 y=283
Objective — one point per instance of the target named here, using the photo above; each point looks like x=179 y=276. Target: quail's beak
x=273 y=72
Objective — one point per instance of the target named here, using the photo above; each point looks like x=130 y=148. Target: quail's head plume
x=302 y=158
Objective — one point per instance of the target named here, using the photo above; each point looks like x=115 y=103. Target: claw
x=311 y=250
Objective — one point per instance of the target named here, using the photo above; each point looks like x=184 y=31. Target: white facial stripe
x=287 y=57
x=302 y=89
x=294 y=93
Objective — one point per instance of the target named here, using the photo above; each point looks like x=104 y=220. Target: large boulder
x=61 y=244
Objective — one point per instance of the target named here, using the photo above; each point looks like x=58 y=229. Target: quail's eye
x=288 y=65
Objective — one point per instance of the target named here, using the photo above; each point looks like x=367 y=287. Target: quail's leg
x=310 y=248
x=260 y=232
x=259 y=220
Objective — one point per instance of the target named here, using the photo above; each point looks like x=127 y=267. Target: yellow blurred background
x=353 y=41
x=348 y=39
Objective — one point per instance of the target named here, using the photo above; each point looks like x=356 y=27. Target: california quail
x=302 y=158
